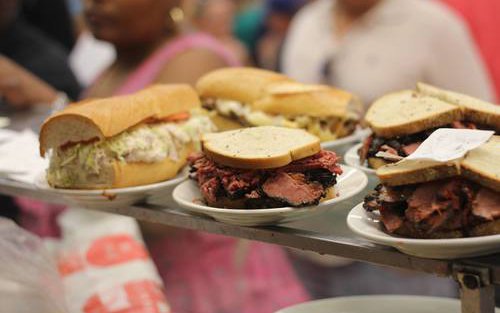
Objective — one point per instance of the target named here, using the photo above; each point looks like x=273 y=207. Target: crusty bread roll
x=260 y=147
x=293 y=99
x=243 y=84
x=104 y=118
x=406 y=113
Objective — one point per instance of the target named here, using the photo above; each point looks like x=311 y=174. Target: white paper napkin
x=19 y=156
x=447 y=144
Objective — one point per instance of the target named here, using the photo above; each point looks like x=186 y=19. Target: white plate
x=188 y=196
x=378 y=304
x=351 y=158
x=342 y=144
x=368 y=226
x=110 y=198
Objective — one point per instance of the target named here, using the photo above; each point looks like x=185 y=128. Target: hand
x=22 y=89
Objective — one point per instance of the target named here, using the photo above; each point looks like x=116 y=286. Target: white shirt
x=395 y=45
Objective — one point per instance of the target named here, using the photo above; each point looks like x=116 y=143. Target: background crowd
x=51 y=50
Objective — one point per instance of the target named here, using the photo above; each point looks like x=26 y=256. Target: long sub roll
x=123 y=141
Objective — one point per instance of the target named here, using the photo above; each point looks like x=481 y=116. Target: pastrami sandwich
x=123 y=141
x=429 y=199
x=402 y=121
x=245 y=97
x=264 y=167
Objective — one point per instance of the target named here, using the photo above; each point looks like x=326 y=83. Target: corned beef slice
x=299 y=183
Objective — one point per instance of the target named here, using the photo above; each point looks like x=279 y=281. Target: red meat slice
x=293 y=189
x=486 y=204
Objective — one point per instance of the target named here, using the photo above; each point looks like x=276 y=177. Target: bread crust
x=104 y=118
x=138 y=174
x=260 y=147
x=242 y=84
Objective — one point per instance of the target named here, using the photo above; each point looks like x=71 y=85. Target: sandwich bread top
x=411 y=111
x=483 y=164
x=242 y=84
x=480 y=165
x=475 y=110
x=295 y=99
x=262 y=147
x=406 y=113
x=104 y=118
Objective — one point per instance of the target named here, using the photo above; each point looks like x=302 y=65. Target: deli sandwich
x=402 y=121
x=429 y=199
x=264 y=167
x=123 y=141
x=245 y=97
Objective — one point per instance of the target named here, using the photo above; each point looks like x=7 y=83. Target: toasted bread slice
x=260 y=147
x=293 y=99
x=405 y=113
x=408 y=172
x=242 y=84
x=376 y=163
x=475 y=110
x=104 y=118
x=481 y=164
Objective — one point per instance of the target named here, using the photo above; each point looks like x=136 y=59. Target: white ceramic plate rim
x=358 y=134
x=357 y=301
x=375 y=234
x=41 y=183
x=353 y=151
x=199 y=207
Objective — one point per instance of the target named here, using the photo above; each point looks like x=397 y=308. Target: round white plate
x=110 y=198
x=188 y=196
x=378 y=304
x=368 y=226
x=351 y=158
x=342 y=144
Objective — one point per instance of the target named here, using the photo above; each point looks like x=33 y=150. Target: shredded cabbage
x=146 y=143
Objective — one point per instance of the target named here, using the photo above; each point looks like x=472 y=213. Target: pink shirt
x=203 y=273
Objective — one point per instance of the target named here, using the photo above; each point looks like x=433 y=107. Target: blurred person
x=248 y=22
x=30 y=53
x=278 y=15
x=482 y=18
x=202 y=273
x=53 y=18
x=216 y=17
x=372 y=47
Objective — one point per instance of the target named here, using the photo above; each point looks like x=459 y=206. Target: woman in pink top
x=203 y=273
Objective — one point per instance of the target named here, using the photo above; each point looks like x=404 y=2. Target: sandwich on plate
x=430 y=199
x=123 y=141
x=245 y=97
x=264 y=167
x=401 y=121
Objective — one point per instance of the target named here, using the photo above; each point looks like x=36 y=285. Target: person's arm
x=455 y=62
x=189 y=66
x=20 y=88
